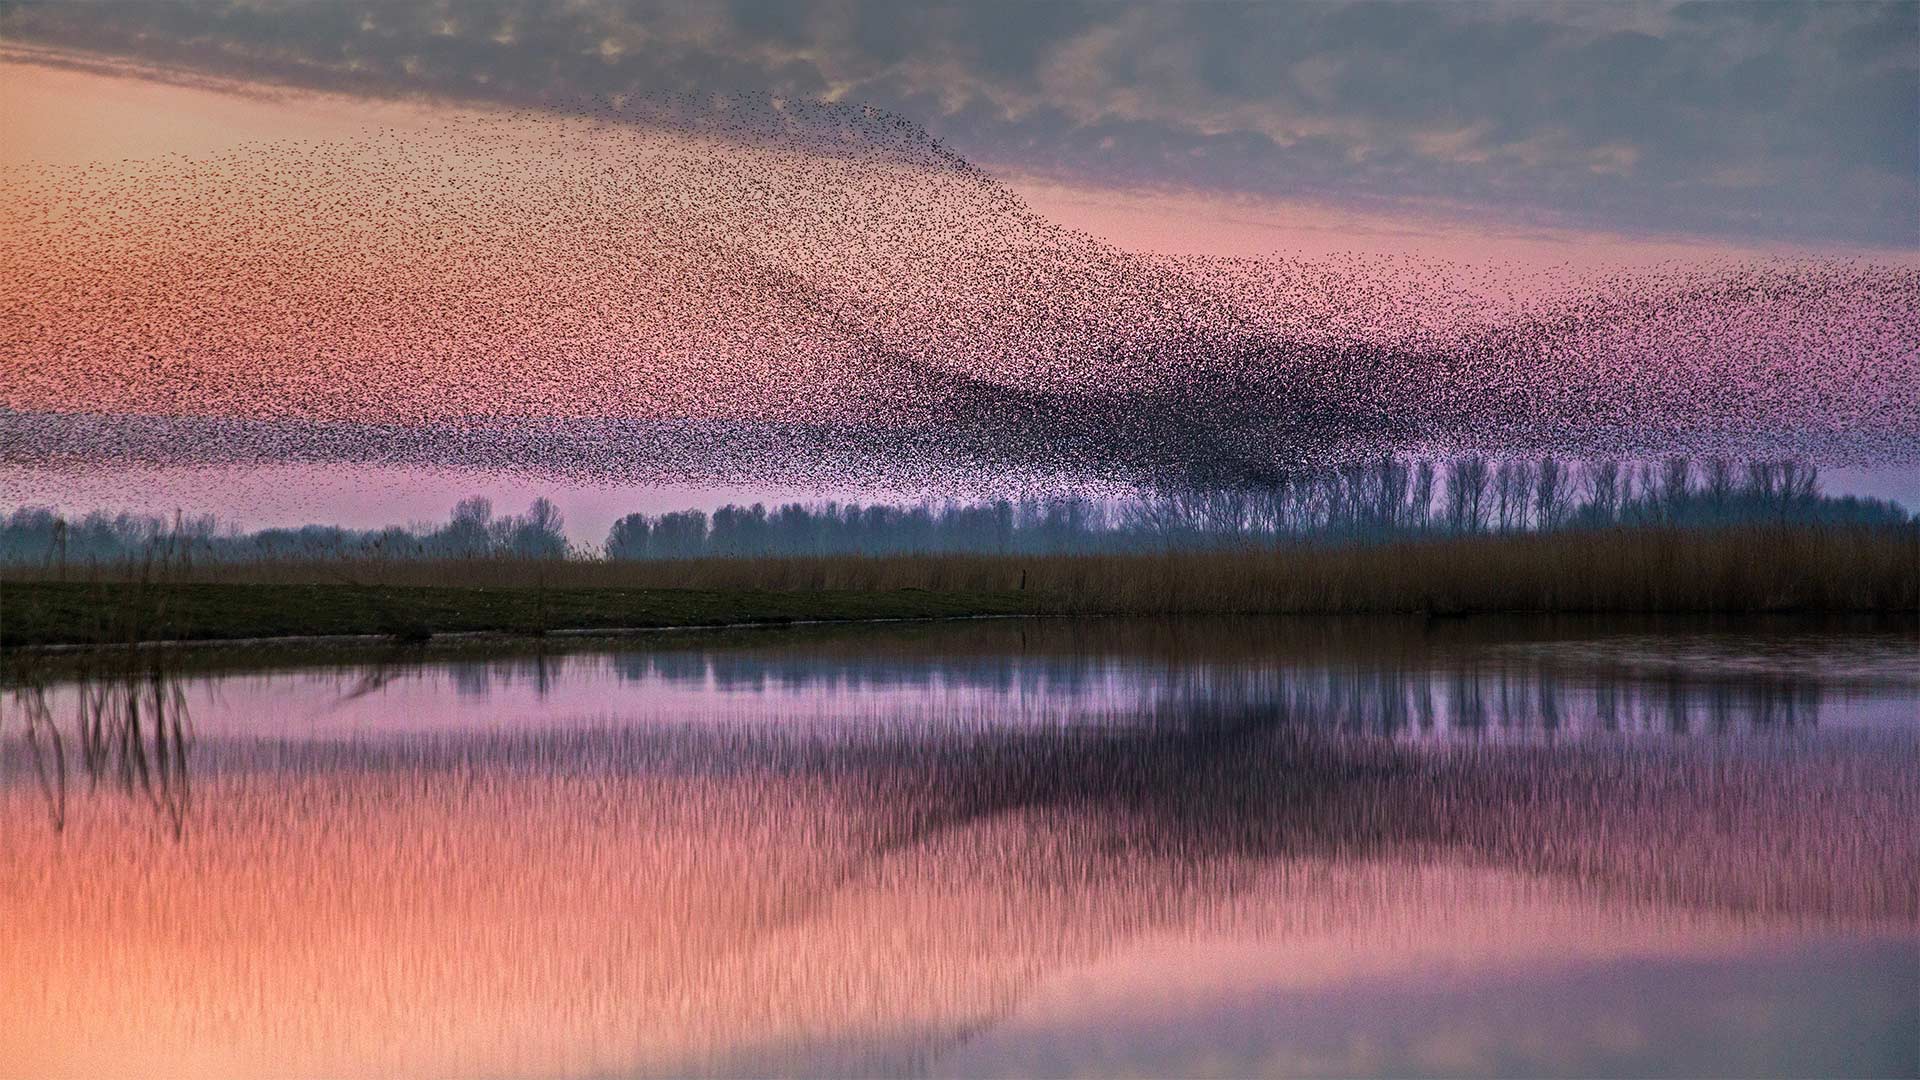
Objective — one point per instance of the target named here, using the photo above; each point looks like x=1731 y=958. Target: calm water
x=992 y=849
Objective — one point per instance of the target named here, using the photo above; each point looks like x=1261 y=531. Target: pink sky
x=67 y=119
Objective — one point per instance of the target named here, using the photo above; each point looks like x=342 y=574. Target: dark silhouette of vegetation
x=1391 y=499
x=36 y=535
x=1469 y=535
x=1654 y=568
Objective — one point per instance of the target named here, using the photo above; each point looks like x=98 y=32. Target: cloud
x=1763 y=121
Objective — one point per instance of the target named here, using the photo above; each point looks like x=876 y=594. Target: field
x=1734 y=570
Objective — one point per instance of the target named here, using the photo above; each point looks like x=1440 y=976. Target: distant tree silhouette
x=1467 y=502
x=1357 y=503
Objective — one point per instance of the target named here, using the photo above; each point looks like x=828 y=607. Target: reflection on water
x=131 y=728
x=1383 y=678
x=997 y=849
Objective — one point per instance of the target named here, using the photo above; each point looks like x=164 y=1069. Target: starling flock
x=806 y=294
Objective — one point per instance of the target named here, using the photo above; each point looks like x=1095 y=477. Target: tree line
x=1358 y=503
x=39 y=534
x=1384 y=499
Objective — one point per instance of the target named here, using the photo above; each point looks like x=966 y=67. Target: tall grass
x=1746 y=568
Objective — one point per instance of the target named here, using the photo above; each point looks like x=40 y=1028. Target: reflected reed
x=865 y=854
x=129 y=724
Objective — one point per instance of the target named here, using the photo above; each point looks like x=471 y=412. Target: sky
x=1749 y=122
x=1499 y=149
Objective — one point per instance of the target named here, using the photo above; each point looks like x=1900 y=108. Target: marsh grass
x=1650 y=569
x=130 y=723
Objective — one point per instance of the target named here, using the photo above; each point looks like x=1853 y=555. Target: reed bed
x=1646 y=568
x=1745 y=569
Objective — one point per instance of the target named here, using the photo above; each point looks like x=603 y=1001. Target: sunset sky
x=1502 y=149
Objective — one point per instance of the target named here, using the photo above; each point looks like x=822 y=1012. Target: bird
x=737 y=289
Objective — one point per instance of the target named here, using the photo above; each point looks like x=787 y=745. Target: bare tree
x=1523 y=482
x=1467 y=501
x=1719 y=480
x=1420 y=495
x=545 y=517
x=1676 y=482
x=1550 y=494
x=1601 y=479
x=1512 y=494
x=1799 y=481
x=630 y=538
x=1389 y=492
x=1503 y=496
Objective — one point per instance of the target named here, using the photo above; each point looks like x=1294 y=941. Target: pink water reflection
x=1117 y=851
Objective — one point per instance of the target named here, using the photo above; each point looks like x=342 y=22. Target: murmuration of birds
x=818 y=295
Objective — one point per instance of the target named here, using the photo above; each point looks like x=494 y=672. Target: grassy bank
x=1736 y=570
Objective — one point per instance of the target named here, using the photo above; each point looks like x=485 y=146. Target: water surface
x=1301 y=847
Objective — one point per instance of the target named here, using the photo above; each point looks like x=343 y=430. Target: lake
x=994 y=848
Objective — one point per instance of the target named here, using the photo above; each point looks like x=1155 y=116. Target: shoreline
x=460 y=637
x=71 y=646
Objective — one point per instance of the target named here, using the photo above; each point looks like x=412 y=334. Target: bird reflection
x=761 y=892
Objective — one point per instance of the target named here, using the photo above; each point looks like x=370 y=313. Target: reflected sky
x=1519 y=681
x=1192 y=848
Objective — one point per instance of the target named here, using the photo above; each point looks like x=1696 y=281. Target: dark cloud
x=1783 y=121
